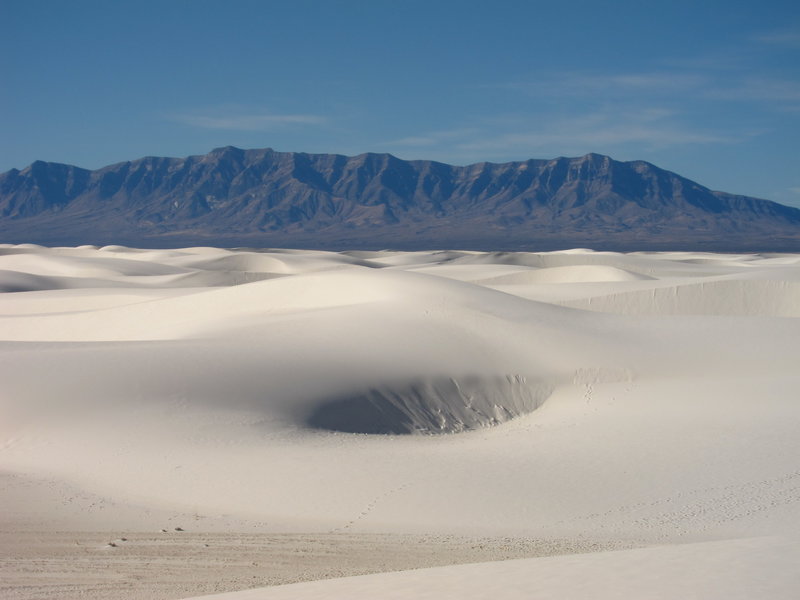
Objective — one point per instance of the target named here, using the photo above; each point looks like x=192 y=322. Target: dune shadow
x=432 y=406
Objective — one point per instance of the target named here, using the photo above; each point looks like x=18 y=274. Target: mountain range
x=264 y=198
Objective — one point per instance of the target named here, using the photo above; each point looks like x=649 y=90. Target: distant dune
x=290 y=415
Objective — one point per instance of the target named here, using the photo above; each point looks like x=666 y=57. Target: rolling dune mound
x=719 y=297
x=568 y=274
x=16 y=281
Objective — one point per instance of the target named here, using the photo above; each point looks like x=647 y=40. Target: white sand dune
x=611 y=400
x=729 y=570
x=568 y=274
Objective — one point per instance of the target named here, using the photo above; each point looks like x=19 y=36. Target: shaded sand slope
x=623 y=398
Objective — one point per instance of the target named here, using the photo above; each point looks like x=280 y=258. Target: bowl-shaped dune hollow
x=431 y=406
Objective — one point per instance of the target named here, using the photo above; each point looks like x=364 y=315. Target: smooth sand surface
x=350 y=413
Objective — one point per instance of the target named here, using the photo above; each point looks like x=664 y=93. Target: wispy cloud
x=683 y=88
x=598 y=138
x=649 y=128
x=669 y=106
x=644 y=129
x=433 y=138
x=785 y=37
x=609 y=85
x=237 y=120
x=760 y=89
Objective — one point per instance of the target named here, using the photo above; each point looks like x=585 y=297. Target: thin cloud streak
x=587 y=85
x=648 y=129
x=671 y=86
x=610 y=136
x=651 y=137
x=246 y=122
x=432 y=138
x=759 y=89
x=789 y=38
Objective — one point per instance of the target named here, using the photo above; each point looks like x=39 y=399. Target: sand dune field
x=571 y=424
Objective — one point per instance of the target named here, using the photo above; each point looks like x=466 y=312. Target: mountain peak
x=229 y=150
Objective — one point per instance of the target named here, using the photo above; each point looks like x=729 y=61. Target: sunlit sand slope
x=642 y=398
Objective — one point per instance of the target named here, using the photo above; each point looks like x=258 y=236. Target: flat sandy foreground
x=573 y=424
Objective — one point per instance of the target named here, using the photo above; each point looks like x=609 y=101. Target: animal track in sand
x=369 y=508
x=703 y=509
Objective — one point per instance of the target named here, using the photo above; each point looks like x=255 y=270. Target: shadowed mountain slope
x=234 y=197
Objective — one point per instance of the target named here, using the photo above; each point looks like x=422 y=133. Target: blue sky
x=710 y=90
